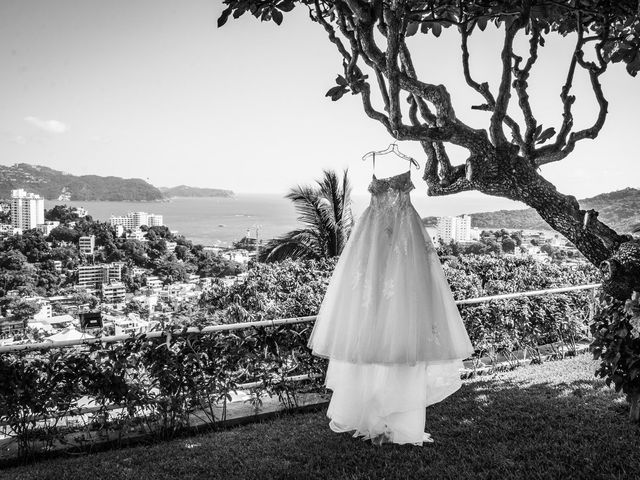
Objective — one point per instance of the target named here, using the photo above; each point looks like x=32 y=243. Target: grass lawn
x=546 y=421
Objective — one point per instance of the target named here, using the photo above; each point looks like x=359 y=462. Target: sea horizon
x=219 y=221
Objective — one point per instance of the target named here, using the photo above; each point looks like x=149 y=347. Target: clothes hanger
x=392 y=148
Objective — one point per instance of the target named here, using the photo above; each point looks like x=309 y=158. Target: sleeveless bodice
x=391 y=192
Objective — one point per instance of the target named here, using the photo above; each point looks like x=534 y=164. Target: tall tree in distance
x=504 y=158
x=325 y=212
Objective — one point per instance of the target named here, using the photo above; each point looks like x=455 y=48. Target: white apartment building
x=154 y=220
x=457 y=229
x=113 y=292
x=134 y=220
x=47 y=227
x=87 y=244
x=27 y=209
x=81 y=211
x=7 y=229
x=94 y=276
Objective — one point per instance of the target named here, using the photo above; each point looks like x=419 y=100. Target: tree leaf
x=537 y=131
x=412 y=29
x=340 y=80
x=437 y=29
x=482 y=23
x=224 y=16
x=277 y=16
x=546 y=135
x=286 y=5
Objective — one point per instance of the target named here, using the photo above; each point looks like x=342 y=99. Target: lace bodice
x=400 y=183
x=391 y=192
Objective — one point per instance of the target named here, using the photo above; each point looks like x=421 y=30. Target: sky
x=153 y=89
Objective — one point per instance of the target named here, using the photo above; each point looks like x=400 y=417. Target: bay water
x=218 y=221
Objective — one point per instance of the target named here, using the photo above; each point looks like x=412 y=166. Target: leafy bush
x=616 y=333
x=292 y=289
x=163 y=382
x=160 y=383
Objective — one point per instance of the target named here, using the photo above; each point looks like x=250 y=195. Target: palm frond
x=297 y=244
x=325 y=212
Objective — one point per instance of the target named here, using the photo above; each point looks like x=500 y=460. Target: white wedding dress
x=388 y=323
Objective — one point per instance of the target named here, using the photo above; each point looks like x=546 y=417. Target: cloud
x=51 y=126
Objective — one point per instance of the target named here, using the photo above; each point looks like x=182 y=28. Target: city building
x=27 y=209
x=154 y=220
x=154 y=282
x=134 y=220
x=113 y=292
x=137 y=234
x=7 y=229
x=94 y=276
x=47 y=227
x=87 y=244
x=46 y=311
x=132 y=324
x=457 y=229
x=10 y=326
x=81 y=211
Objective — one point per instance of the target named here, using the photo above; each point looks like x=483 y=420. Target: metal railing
x=262 y=323
x=239 y=326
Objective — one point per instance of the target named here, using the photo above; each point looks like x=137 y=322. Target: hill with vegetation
x=56 y=185
x=620 y=210
x=186 y=191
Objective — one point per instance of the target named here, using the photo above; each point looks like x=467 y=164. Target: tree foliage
x=371 y=37
x=325 y=212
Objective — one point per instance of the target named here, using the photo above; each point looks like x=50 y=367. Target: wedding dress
x=388 y=323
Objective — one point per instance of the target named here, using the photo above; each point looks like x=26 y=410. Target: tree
x=325 y=211
x=508 y=245
x=61 y=213
x=22 y=310
x=371 y=38
x=64 y=234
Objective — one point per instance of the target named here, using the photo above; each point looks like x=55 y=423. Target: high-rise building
x=454 y=228
x=87 y=244
x=27 y=209
x=94 y=276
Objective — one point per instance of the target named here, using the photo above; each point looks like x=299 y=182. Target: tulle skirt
x=391 y=329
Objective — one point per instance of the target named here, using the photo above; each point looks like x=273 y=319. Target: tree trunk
x=617 y=256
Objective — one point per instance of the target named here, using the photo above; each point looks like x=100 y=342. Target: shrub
x=616 y=332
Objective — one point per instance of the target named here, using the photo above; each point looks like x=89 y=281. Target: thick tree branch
x=393 y=26
x=520 y=86
x=504 y=90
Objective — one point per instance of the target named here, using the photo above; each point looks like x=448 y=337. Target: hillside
x=185 y=191
x=620 y=210
x=54 y=184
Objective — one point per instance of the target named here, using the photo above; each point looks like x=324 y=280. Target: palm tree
x=325 y=212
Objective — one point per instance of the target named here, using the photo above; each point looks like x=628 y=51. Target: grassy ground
x=538 y=422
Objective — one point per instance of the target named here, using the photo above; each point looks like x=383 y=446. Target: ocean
x=220 y=221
